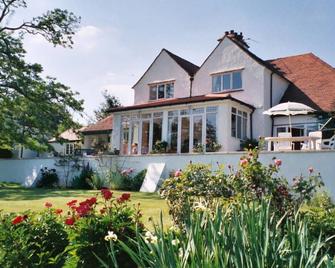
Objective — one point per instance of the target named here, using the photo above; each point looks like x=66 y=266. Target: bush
x=5 y=153
x=84 y=179
x=32 y=240
x=159 y=147
x=249 y=234
x=133 y=183
x=249 y=144
x=48 y=178
x=252 y=180
x=91 y=229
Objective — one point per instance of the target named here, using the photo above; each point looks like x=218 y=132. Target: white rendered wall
x=294 y=164
x=164 y=68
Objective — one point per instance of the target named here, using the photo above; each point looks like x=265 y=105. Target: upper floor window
x=227 y=81
x=161 y=91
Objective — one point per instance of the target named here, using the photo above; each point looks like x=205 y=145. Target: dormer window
x=161 y=91
x=227 y=81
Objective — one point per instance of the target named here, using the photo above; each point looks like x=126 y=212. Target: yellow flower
x=111 y=236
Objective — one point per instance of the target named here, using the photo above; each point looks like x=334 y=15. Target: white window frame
x=69 y=149
x=165 y=90
x=230 y=73
x=239 y=113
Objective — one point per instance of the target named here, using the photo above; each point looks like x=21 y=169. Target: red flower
x=83 y=209
x=278 y=162
x=71 y=203
x=17 y=220
x=92 y=201
x=106 y=193
x=124 y=197
x=70 y=221
x=58 y=211
x=48 y=204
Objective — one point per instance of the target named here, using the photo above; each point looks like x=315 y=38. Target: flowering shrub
x=91 y=228
x=32 y=239
x=48 y=178
x=198 y=184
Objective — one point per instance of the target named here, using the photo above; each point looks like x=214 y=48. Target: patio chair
x=308 y=146
x=328 y=143
x=283 y=145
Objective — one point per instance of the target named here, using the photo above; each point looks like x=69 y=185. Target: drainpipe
x=191 y=84
x=251 y=132
x=271 y=93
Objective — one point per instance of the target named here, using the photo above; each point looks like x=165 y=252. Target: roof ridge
x=291 y=56
x=191 y=70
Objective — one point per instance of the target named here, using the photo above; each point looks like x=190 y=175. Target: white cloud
x=87 y=38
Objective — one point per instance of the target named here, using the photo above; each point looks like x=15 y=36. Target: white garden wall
x=294 y=164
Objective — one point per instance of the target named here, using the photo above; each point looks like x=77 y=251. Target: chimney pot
x=231 y=31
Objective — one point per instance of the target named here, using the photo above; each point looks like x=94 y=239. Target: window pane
x=172 y=134
x=125 y=138
x=244 y=129
x=185 y=134
x=169 y=90
x=134 y=138
x=197 y=130
x=157 y=130
x=239 y=127
x=233 y=125
x=158 y=114
x=161 y=94
x=212 y=109
x=216 y=83
x=145 y=137
x=237 y=80
x=210 y=130
x=226 y=81
x=184 y=112
x=153 y=93
x=198 y=111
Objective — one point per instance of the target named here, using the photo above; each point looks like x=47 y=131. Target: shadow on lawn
x=19 y=193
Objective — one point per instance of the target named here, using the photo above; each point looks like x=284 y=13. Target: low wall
x=294 y=164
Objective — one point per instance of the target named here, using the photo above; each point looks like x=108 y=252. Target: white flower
x=111 y=236
x=150 y=238
x=181 y=253
x=175 y=242
x=200 y=207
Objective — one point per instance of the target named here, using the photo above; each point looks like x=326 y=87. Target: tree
x=110 y=102
x=32 y=108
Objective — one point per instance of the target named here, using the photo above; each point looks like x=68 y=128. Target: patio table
x=310 y=140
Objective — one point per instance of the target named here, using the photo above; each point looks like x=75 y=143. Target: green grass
x=14 y=198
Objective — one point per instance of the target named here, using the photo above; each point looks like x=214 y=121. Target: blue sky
x=117 y=40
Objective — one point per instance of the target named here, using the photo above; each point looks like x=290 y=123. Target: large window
x=239 y=124
x=185 y=131
x=227 y=81
x=210 y=128
x=161 y=91
x=69 y=149
x=157 y=127
x=172 y=137
x=124 y=135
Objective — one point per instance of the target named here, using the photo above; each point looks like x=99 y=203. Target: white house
x=222 y=101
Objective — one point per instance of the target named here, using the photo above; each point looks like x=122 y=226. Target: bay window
x=211 y=135
x=161 y=91
x=227 y=81
x=239 y=122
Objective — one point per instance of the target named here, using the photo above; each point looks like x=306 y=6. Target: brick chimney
x=237 y=37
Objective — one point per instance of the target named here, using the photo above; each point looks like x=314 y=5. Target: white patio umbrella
x=288 y=109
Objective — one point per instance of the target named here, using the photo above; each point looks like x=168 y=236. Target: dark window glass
x=216 y=83
x=237 y=80
x=226 y=81
x=145 y=136
x=172 y=134
x=153 y=93
x=210 y=130
x=169 y=90
x=157 y=130
x=161 y=93
x=233 y=125
x=197 y=130
x=185 y=134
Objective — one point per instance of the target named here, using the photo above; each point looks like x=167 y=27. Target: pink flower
x=310 y=169
x=124 y=197
x=58 y=211
x=48 y=204
x=278 y=162
x=71 y=203
x=243 y=162
x=178 y=173
x=17 y=220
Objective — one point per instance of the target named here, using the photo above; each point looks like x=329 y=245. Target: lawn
x=14 y=198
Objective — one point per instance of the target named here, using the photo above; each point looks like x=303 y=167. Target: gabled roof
x=186 y=65
x=312 y=81
x=180 y=101
x=102 y=126
x=67 y=135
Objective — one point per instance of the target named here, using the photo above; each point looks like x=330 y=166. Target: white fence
x=294 y=164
